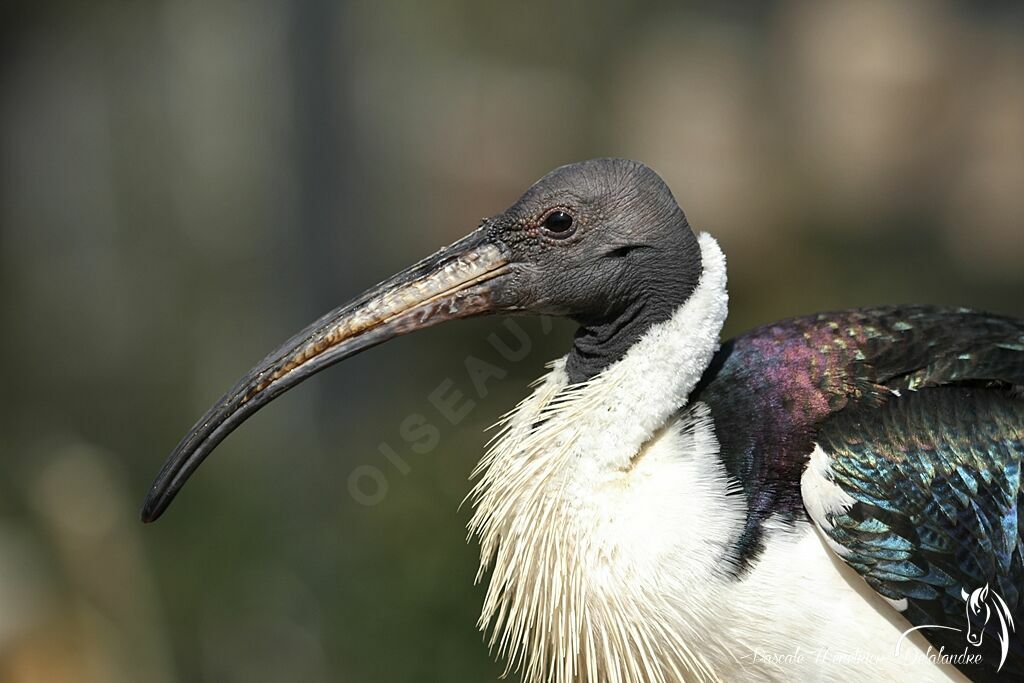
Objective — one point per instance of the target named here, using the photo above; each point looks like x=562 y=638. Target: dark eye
x=559 y=224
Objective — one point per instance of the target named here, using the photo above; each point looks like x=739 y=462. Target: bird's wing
x=922 y=495
x=913 y=347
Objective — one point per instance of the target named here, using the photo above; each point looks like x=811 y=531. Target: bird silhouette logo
x=981 y=605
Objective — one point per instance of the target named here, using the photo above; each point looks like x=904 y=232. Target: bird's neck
x=655 y=376
x=600 y=343
x=605 y=338
x=600 y=424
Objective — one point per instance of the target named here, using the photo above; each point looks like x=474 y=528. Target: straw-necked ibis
x=782 y=506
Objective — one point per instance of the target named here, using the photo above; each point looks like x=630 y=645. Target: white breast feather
x=572 y=503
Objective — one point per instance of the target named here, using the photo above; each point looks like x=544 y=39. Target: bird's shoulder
x=795 y=373
x=895 y=346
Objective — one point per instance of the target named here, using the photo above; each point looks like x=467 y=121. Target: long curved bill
x=466 y=279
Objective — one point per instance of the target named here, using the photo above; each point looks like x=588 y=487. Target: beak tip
x=151 y=509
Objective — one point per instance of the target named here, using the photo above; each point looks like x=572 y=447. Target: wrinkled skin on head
x=631 y=258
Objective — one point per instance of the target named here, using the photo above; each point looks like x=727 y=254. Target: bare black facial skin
x=602 y=242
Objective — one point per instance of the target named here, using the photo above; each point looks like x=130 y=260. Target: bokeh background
x=184 y=183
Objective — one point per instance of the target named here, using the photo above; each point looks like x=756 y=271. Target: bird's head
x=593 y=238
x=601 y=242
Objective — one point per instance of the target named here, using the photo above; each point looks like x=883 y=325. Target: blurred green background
x=183 y=184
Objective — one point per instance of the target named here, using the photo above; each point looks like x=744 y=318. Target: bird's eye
x=559 y=224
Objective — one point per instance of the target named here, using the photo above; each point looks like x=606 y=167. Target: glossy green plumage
x=936 y=474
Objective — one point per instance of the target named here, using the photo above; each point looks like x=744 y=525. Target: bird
x=831 y=496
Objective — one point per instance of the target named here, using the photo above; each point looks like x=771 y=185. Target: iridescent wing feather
x=934 y=475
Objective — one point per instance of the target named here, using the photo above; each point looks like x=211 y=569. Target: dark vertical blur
x=185 y=183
